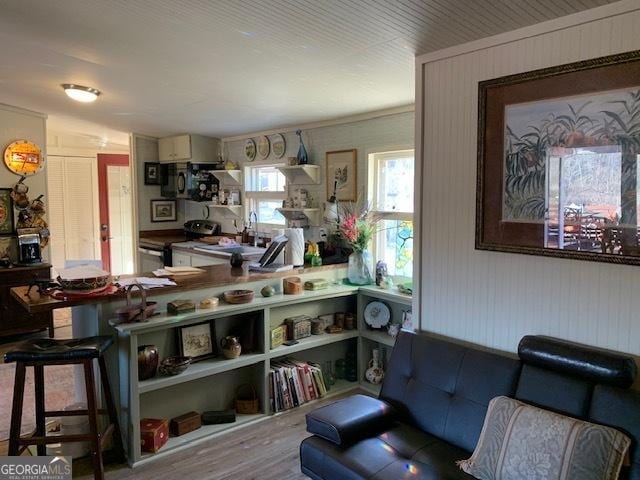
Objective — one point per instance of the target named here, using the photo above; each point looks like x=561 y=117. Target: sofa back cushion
x=444 y=388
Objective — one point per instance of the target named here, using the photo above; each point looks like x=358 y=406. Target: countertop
x=211 y=277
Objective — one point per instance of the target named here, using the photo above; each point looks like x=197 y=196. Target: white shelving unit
x=227 y=211
x=229 y=177
x=312 y=215
x=301 y=174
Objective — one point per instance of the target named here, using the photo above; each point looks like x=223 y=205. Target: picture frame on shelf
x=6 y=212
x=342 y=172
x=151 y=173
x=163 y=210
x=198 y=341
x=557 y=161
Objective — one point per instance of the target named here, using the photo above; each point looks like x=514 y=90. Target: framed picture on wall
x=197 y=341
x=163 y=211
x=558 y=166
x=342 y=175
x=6 y=212
x=151 y=173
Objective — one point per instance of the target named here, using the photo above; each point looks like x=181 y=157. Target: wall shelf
x=301 y=174
x=390 y=295
x=227 y=211
x=379 y=336
x=312 y=215
x=312 y=342
x=228 y=177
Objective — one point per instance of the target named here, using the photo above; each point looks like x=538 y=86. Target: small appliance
x=194 y=229
x=29 y=249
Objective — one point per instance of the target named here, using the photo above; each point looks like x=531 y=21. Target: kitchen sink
x=245 y=250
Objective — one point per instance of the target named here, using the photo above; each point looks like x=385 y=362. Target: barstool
x=42 y=352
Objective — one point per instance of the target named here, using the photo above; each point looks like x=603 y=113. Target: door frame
x=104 y=161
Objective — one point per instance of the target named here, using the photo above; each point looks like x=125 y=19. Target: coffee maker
x=29 y=249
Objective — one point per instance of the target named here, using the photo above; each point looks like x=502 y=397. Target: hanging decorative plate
x=264 y=147
x=377 y=315
x=278 y=145
x=23 y=158
x=250 y=149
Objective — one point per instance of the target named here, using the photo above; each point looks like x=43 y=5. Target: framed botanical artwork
x=558 y=161
x=342 y=174
x=151 y=173
x=197 y=341
x=6 y=212
x=163 y=211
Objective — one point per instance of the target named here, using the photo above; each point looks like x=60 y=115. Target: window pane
x=395 y=247
x=395 y=181
x=267 y=212
x=265 y=179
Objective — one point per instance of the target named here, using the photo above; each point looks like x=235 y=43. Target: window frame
x=252 y=198
x=373 y=174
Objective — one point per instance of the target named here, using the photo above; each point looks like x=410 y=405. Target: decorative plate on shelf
x=250 y=149
x=278 y=145
x=264 y=147
x=377 y=315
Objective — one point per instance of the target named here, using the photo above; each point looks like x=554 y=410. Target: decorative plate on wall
x=264 y=147
x=377 y=315
x=278 y=145
x=250 y=149
x=24 y=158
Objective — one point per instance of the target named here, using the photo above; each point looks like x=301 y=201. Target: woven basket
x=247 y=404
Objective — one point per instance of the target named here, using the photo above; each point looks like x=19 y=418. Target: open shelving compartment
x=301 y=174
x=229 y=177
x=312 y=215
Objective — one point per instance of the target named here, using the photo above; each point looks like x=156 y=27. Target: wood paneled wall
x=495 y=298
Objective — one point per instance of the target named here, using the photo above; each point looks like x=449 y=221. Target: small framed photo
x=6 y=212
x=342 y=174
x=151 y=173
x=197 y=341
x=163 y=211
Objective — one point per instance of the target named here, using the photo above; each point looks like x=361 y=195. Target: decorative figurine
x=381 y=272
x=374 y=373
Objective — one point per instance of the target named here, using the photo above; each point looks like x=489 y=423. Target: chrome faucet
x=253 y=221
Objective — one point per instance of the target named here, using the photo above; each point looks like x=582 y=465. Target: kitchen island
x=211 y=384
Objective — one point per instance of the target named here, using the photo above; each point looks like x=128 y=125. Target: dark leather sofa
x=435 y=395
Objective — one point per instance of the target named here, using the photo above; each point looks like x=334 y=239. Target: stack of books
x=292 y=383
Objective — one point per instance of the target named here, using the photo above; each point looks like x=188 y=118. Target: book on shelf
x=293 y=383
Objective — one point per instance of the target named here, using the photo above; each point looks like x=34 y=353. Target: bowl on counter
x=174 y=365
x=238 y=296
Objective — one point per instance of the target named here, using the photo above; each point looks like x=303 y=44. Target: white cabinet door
x=182 y=147
x=180 y=259
x=166 y=150
x=205 y=261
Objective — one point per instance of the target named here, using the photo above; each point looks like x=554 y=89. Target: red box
x=154 y=433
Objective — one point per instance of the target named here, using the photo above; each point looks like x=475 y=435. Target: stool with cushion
x=39 y=353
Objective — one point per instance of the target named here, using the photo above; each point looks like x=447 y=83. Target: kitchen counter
x=211 y=277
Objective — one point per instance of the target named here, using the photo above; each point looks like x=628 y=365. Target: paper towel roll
x=294 y=251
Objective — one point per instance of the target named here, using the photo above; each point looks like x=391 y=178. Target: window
x=265 y=188
x=391 y=177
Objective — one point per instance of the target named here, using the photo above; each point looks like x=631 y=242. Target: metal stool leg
x=38 y=370
x=92 y=407
x=111 y=409
x=16 y=409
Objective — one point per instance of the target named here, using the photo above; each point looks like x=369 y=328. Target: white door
x=72 y=185
x=120 y=222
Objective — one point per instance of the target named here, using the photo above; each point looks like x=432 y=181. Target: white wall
x=17 y=124
x=383 y=132
x=496 y=298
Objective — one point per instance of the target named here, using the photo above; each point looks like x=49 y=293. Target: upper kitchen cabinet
x=188 y=148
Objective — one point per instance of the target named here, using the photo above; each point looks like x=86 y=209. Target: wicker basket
x=247 y=404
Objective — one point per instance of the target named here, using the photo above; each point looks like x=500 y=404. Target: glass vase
x=359 y=271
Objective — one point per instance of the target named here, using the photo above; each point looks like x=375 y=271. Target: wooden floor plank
x=265 y=451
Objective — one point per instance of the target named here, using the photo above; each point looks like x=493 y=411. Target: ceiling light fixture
x=80 y=93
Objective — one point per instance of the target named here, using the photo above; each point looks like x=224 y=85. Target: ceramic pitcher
x=231 y=347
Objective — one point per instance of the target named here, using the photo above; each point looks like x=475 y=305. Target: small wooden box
x=154 y=433
x=185 y=423
x=178 y=307
x=298 y=327
x=216 y=417
x=278 y=336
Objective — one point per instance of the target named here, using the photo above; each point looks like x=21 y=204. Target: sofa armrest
x=350 y=419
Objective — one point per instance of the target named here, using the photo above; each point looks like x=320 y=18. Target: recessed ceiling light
x=80 y=93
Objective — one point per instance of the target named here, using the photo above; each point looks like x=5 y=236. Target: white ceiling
x=225 y=67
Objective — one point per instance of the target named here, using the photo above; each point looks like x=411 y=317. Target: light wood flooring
x=264 y=451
